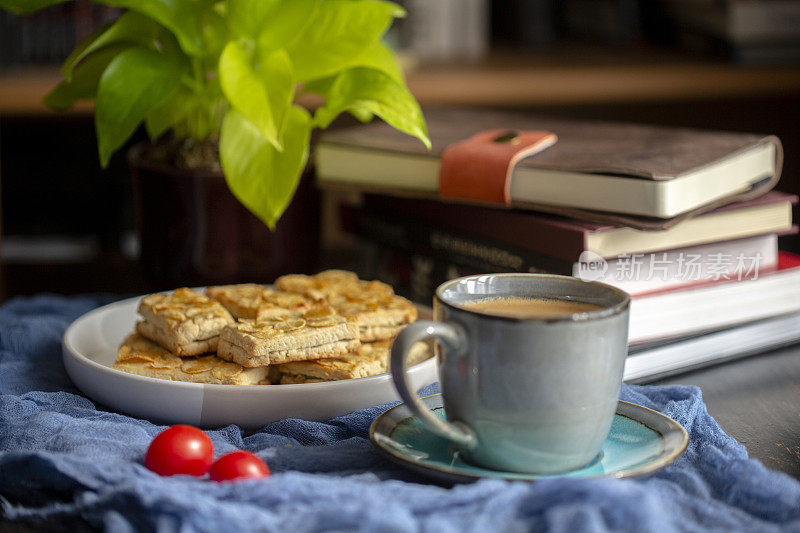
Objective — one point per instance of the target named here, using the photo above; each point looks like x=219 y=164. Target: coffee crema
x=529 y=307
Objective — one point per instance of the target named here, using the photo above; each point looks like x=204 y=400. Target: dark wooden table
x=756 y=401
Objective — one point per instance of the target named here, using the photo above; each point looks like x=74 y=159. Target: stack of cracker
x=345 y=333
x=325 y=327
x=178 y=339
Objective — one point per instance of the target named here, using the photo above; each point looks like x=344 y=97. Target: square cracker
x=368 y=360
x=139 y=355
x=249 y=300
x=185 y=322
x=329 y=283
x=378 y=316
x=317 y=333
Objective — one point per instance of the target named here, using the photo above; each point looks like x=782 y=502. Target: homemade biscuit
x=319 y=332
x=378 y=317
x=249 y=300
x=185 y=322
x=139 y=355
x=368 y=360
x=330 y=283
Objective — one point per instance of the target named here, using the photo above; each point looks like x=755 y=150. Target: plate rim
x=77 y=356
x=451 y=474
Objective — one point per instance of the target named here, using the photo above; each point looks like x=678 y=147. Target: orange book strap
x=480 y=167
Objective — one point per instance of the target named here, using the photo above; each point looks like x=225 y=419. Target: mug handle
x=420 y=331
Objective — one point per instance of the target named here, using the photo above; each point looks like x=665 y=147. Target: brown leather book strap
x=480 y=167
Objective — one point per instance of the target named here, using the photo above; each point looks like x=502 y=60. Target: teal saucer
x=641 y=441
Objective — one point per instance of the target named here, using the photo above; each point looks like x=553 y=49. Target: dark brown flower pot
x=193 y=231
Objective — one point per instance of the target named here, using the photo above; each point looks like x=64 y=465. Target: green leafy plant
x=232 y=70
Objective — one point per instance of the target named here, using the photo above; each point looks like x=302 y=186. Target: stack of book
x=686 y=221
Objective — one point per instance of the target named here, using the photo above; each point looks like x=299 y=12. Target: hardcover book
x=648 y=362
x=454 y=255
x=653 y=172
x=566 y=239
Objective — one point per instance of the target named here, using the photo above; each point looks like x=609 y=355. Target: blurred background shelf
x=573 y=76
x=22 y=89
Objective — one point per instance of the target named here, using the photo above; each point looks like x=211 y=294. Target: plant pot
x=193 y=231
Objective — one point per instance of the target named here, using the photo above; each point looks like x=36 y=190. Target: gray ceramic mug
x=535 y=395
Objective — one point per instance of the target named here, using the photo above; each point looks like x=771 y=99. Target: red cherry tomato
x=180 y=449
x=238 y=465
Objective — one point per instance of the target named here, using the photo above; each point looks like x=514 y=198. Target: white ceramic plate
x=90 y=347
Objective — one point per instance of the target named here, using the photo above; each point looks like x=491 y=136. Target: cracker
x=317 y=333
x=139 y=355
x=185 y=322
x=330 y=283
x=368 y=360
x=379 y=317
x=249 y=300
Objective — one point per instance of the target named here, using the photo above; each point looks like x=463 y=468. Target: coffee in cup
x=530 y=307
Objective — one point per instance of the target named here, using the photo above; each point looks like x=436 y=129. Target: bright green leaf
x=261 y=177
x=362 y=114
x=28 y=6
x=181 y=17
x=272 y=24
x=80 y=50
x=134 y=82
x=247 y=17
x=377 y=56
x=221 y=8
x=340 y=31
x=263 y=93
x=278 y=75
x=380 y=57
x=287 y=23
x=83 y=85
x=245 y=89
x=363 y=90
x=166 y=114
x=130 y=28
x=320 y=86
x=214 y=30
x=323 y=86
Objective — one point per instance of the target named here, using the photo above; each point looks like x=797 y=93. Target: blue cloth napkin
x=63 y=457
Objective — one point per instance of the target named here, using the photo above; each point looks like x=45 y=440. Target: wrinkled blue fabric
x=64 y=457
